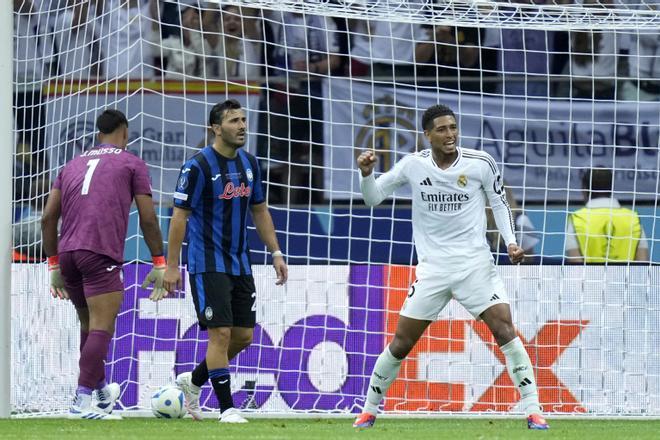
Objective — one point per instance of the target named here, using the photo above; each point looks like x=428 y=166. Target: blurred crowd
x=192 y=40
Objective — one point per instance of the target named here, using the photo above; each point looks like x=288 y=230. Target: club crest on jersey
x=208 y=313
x=462 y=180
x=249 y=175
x=183 y=183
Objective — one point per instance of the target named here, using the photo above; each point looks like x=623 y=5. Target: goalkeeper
x=449 y=187
x=93 y=195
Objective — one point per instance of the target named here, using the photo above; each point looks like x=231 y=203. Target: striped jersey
x=219 y=191
x=448 y=206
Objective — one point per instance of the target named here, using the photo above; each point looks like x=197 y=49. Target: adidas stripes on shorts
x=475 y=288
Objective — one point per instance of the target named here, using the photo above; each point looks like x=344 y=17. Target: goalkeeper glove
x=56 y=282
x=155 y=277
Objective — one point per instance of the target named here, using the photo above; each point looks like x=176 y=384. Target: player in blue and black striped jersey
x=215 y=190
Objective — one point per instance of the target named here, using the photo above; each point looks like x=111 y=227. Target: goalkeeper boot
x=82 y=409
x=192 y=393
x=364 y=420
x=107 y=397
x=232 y=415
x=536 y=421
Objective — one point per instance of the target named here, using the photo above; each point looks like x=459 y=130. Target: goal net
x=549 y=89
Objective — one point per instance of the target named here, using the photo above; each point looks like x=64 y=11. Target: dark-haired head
x=435 y=111
x=113 y=128
x=219 y=111
x=597 y=182
x=110 y=120
x=229 y=125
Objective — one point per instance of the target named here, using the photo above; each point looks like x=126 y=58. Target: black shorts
x=223 y=300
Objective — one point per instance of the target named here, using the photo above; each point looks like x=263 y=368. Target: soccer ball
x=167 y=403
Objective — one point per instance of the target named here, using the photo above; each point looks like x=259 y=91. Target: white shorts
x=476 y=288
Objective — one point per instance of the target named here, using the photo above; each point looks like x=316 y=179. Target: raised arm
x=266 y=230
x=375 y=190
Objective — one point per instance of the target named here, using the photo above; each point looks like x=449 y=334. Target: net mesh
x=549 y=89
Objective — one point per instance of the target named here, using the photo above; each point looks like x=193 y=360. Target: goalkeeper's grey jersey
x=448 y=206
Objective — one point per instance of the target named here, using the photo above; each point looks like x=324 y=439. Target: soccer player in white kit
x=449 y=186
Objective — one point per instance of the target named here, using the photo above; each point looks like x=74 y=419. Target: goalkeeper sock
x=200 y=374
x=83 y=339
x=522 y=374
x=222 y=387
x=92 y=358
x=385 y=371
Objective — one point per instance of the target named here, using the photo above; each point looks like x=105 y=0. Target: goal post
x=549 y=91
x=7 y=139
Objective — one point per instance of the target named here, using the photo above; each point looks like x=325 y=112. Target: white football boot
x=191 y=392
x=107 y=397
x=82 y=409
x=232 y=415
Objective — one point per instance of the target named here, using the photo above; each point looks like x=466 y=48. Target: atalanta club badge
x=248 y=173
x=208 y=313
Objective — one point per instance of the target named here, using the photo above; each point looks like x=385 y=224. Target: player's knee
x=503 y=332
x=105 y=323
x=401 y=346
x=219 y=336
x=242 y=341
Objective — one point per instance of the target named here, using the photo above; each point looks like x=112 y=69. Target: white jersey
x=448 y=206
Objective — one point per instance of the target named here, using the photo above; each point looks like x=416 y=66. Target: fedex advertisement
x=591 y=333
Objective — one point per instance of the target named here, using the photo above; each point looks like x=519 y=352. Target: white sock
x=385 y=371
x=522 y=374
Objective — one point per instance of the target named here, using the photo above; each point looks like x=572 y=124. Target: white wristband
x=277 y=254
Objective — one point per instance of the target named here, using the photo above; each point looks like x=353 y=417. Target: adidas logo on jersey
x=426 y=182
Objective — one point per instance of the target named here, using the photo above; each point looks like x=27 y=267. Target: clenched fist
x=366 y=162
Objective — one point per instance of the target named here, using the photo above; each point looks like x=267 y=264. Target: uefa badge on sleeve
x=208 y=313
x=183 y=183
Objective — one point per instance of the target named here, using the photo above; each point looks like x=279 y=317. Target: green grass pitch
x=326 y=429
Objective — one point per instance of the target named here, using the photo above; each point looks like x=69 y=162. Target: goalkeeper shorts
x=86 y=273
